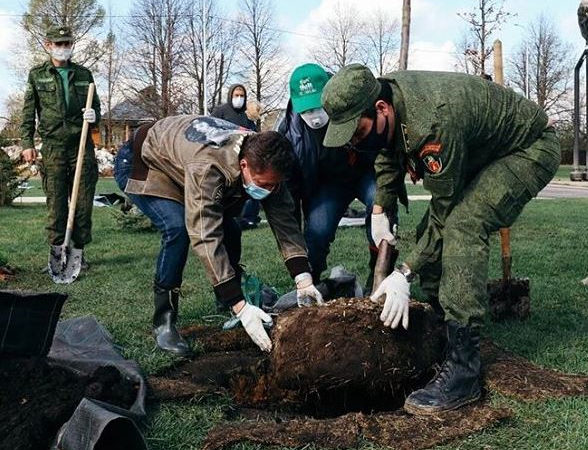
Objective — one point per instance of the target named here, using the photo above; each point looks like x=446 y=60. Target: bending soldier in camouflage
x=483 y=152
x=56 y=94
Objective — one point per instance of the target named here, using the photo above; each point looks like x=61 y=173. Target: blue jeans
x=168 y=217
x=325 y=210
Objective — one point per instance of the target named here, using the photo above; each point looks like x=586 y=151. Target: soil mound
x=36 y=399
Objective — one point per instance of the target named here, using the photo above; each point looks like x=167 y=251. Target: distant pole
x=498 y=67
x=204 y=57
x=405 y=35
x=527 y=87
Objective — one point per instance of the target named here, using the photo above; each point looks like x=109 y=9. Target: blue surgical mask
x=256 y=192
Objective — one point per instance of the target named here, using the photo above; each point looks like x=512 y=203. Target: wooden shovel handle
x=387 y=255
x=78 y=173
x=505 y=252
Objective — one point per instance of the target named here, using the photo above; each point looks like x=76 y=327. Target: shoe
x=458 y=381
x=164 y=322
x=247 y=224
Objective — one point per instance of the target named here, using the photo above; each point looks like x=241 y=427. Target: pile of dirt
x=36 y=399
x=292 y=397
x=395 y=430
x=7 y=273
x=325 y=362
x=517 y=377
x=341 y=358
x=509 y=300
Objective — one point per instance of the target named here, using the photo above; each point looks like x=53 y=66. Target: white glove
x=89 y=115
x=252 y=319
x=381 y=229
x=305 y=291
x=397 y=290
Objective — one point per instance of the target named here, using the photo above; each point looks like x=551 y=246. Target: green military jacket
x=449 y=126
x=44 y=98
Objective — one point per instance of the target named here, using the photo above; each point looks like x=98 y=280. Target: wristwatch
x=408 y=274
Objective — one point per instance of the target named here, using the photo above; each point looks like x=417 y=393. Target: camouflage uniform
x=483 y=152
x=60 y=126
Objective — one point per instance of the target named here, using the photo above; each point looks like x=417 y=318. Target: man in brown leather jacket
x=191 y=175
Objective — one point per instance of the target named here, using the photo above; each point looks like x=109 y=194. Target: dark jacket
x=44 y=98
x=230 y=114
x=317 y=164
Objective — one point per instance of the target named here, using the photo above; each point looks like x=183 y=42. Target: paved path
x=553 y=190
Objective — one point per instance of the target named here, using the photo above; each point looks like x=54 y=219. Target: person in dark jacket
x=326 y=180
x=235 y=111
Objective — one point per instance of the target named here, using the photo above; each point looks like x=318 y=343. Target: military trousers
x=492 y=200
x=57 y=173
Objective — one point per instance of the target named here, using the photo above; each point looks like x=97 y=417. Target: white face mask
x=238 y=102
x=315 y=118
x=61 y=53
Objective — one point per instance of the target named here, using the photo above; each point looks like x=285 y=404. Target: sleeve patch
x=433 y=163
x=430 y=148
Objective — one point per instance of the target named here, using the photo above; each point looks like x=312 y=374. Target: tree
x=13 y=110
x=82 y=16
x=380 y=43
x=110 y=70
x=484 y=20
x=156 y=33
x=222 y=38
x=549 y=65
x=405 y=37
x=342 y=39
x=265 y=68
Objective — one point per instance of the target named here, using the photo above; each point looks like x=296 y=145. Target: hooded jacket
x=316 y=163
x=194 y=160
x=233 y=115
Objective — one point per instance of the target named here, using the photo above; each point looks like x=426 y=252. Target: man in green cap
x=54 y=104
x=326 y=180
x=483 y=152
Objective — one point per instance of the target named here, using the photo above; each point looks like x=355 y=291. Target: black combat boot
x=164 y=322
x=458 y=382
x=372 y=265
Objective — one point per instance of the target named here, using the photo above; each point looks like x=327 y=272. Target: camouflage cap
x=59 y=34
x=349 y=93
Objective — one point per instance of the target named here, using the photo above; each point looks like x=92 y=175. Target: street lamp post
x=578 y=174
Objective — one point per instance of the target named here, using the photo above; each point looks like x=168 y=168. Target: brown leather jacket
x=195 y=160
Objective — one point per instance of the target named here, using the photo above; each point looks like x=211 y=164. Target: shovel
x=65 y=263
x=509 y=297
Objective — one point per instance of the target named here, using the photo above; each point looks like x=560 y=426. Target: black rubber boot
x=372 y=265
x=458 y=382
x=164 y=322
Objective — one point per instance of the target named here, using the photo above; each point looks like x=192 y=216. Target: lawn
x=549 y=245
x=105 y=185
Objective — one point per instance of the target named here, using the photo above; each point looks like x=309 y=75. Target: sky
x=436 y=28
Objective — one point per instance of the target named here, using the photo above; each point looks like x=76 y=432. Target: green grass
x=563 y=173
x=105 y=185
x=549 y=245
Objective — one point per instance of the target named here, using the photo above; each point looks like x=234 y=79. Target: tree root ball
x=343 y=356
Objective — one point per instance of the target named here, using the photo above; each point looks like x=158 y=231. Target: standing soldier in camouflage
x=54 y=100
x=483 y=152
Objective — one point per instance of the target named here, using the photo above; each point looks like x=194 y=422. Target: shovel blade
x=65 y=264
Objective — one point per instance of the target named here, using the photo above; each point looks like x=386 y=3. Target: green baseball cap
x=306 y=85
x=59 y=34
x=349 y=93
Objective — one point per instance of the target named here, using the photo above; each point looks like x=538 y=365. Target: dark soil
x=510 y=300
x=517 y=377
x=395 y=430
x=324 y=360
x=36 y=399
